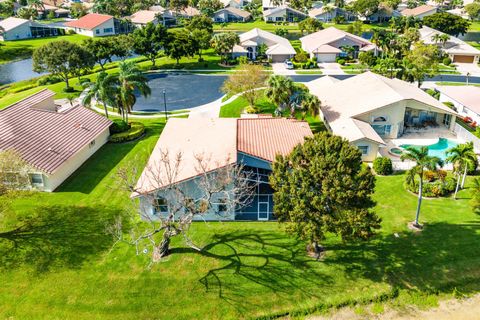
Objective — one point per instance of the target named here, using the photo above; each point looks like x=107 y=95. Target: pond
x=182 y=90
x=17 y=71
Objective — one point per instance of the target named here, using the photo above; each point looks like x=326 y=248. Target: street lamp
x=165 y=104
x=468 y=76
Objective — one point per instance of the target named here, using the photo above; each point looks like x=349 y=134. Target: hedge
x=136 y=130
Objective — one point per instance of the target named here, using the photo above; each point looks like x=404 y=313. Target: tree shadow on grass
x=94 y=170
x=263 y=261
x=57 y=236
x=439 y=259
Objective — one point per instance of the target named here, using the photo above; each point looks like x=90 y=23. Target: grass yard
x=22 y=49
x=63 y=266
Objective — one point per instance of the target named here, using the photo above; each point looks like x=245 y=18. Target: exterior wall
x=51 y=182
x=395 y=114
x=279 y=57
x=461 y=109
x=476 y=58
x=99 y=31
x=20 y=32
x=226 y=16
x=326 y=57
x=466 y=135
x=372 y=151
x=280 y=16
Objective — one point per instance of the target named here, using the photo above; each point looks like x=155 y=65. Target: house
x=233 y=3
x=369 y=109
x=328 y=13
x=143 y=17
x=250 y=142
x=326 y=45
x=231 y=14
x=383 y=14
x=270 y=4
x=465 y=99
x=57 y=12
x=187 y=12
x=420 y=12
x=278 y=48
x=459 y=51
x=54 y=140
x=18 y=29
x=283 y=13
x=97 y=25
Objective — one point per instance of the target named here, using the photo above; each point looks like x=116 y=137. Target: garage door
x=463 y=59
x=326 y=57
x=280 y=57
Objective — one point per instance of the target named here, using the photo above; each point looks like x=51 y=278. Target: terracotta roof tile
x=89 y=22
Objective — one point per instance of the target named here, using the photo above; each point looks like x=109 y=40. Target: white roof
x=239 y=49
x=284 y=7
x=326 y=48
x=328 y=35
x=143 y=16
x=452 y=46
x=12 y=22
x=276 y=44
x=468 y=96
x=354 y=130
x=188 y=138
x=315 y=86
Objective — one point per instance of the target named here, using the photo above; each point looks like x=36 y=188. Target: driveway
x=472 y=68
x=330 y=68
x=280 y=68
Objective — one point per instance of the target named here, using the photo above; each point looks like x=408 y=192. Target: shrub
x=242 y=60
x=341 y=62
x=301 y=56
x=429 y=176
x=251 y=109
x=51 y=79
x=118 y=126
x=447 y=61
x=435 y=188
x=70 y=31
x=69 y=89
x=383 y=166
x=450 y=105
x=136 y=130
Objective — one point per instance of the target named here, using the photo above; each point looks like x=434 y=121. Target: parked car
x=288 y=64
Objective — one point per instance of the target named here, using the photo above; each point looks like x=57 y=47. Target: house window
x=447 y=119
x=160 y=205
x=382 y=130
x=108 y=30
x=363 y=149
x=91 y=144
x=36 y=179
x=222 y=205
x=380 y=119
x=97 y=31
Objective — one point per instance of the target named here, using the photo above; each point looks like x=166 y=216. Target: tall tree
x=424 y=61
x=322 y=187
x=208 y=7
x=102 y=90
x=148 y=41
x=280 y=90
x=310 y=25
x=247 y=80
x=423 y=161
x=202 y=38
x=473 y=10
x=13 y=172
x=61 y=58
x=178 y=5
x=462 y=157
x=448 y=23
x=223 y=43
x=181 y=44
x=200 y=22
x=366 y=8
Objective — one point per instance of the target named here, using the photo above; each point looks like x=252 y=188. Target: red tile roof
x=47 y=139
x=89 y=22
x=264 y=138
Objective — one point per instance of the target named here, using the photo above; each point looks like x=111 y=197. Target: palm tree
x=279 y=90
x=102 y=90
x=328 y=10
x=443 y=39
x=436 y=38
x=310 y=104
x=461 y=156
x=36 y=4
x=423 y=162
x=129 y=79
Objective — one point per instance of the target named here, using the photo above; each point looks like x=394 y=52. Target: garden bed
x=135 y=131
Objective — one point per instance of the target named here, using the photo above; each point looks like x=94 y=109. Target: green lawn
x=63 y=267
x=22 y=49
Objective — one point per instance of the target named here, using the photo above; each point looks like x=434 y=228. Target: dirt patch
x=454 y=309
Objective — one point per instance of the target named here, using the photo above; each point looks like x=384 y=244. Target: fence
x=466 y=135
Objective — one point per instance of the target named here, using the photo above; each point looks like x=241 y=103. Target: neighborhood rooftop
x=469 y=96
x=89 y=22
x=11 y=23
x=418 y=10
x=46 y=138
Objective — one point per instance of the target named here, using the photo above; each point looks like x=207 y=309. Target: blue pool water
x=438 y=149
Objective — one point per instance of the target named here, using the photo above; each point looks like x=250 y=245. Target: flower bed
x=435 y=184
x=135 y=131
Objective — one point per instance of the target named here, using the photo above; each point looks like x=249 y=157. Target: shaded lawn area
x=246 y=270
x=22 y=49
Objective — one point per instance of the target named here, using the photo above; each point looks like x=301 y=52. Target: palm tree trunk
x=419 y=204
x=464 y=175
x=456 y=188
x=106 y=110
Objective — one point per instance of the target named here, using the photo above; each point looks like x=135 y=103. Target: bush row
x=434 y=189
x=135 y=131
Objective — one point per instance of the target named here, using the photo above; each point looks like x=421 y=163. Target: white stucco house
x=459 y=51
x=142 y=17
x=231 y=14
x=233 y=3
x=283 y=13
x=278 y=48
x=328 y=13
x=93 y=25
x=326 y=45
x=466 y=99
x=18 y=29
x=420 y=12
x=369 y=109
x=54 y=140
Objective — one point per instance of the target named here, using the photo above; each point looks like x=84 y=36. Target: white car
x=288 y=64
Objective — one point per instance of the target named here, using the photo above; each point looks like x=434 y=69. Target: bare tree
x=13 y=172
x=217 y=190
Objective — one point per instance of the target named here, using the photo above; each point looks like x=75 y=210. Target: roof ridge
x=30 y=97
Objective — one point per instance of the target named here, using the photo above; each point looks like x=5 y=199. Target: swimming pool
x=438 y=149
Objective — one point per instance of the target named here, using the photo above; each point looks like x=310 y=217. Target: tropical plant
x=102 y=90
x=310 y=104
x=149 y=40
x=475 y=192
x=462 y=157
x=423 y=161
x=223 y=43
x=279 y=90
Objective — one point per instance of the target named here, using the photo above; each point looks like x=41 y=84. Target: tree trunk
x=66 y=81
x=154 y=61
x=163 y=248
x=419 y=204
x=456 y=188
x=126 y=115
x=106 y=110
x=464 y=175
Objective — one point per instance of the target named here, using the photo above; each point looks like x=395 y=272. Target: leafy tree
x=78 y=10
x=310 y=25
x=473 y=10
x=366 y=8
x=200 y=22
x=475 y=192
x=178 y=5
x=202 y=38
x=102 y=90
x=423 y=162
x=442 y=38
x=300 y=4
x=322 y=187
x=117 y=8
x=279 y=91
x=149 y=40
x=246 y=81
x=462 y=157
x=13 y=172
x=27 y=13
x=282 y=32
x=310 y=104
x=103 y=49
x=355 y=28
x=423 y=59
x=61 y=58
x=447 y=22
x=181 y=45
x=36 y=4
x=208 y=7
x=223 y=43
x=7 y=8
